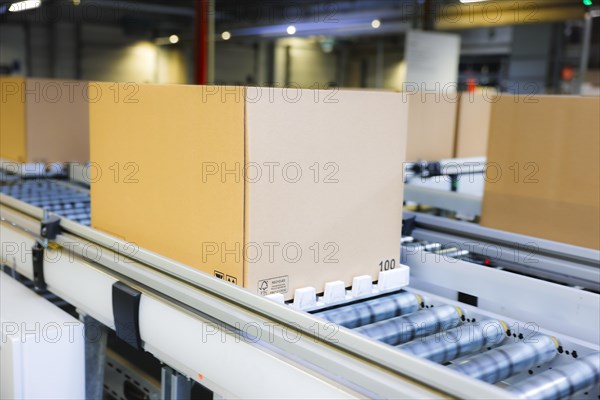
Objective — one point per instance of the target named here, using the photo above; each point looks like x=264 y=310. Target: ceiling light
x=24 y=5
x=226 y=35
x=375 y=23
x=291 y=30
x=173 y=39
x=471 y=1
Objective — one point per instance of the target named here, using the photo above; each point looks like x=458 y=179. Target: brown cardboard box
x=543 y=176
x=43 y=120
x=431 y=126
x=472 y=128
x=272 y=189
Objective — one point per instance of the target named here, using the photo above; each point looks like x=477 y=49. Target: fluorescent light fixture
x=375 y=23
x=226 y=35
x=291 y=30
x=24 y=5
x=173 y=39
x=76 y=2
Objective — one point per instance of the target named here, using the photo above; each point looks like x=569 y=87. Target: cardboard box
x=431 y=126
x=43 y=120
x=472 y=128
x=543 y=178
x=272 y=189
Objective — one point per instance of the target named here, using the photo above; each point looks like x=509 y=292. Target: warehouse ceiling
x=233 y=14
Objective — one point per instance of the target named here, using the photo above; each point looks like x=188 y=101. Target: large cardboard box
x=431 y=126
x=472 y=127
x=43 y=120
x=272 y=189
x=543 y=176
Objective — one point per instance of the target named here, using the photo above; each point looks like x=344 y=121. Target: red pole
x=202 y=42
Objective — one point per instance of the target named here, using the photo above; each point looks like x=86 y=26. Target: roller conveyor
x=409 y=327
x=562 y=381
x=458 y=342
x=61 y=198
x=379 y=318
x=370 y=311
x=508 y=360
x=486 y=350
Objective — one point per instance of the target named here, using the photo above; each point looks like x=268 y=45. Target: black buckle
x=50 y=227
x=126 y=313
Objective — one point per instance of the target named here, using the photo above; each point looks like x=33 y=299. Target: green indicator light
x=587 y=2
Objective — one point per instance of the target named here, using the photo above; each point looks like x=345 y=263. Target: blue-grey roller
x=562 y=381
x=369 y=311
x=508 y=360
x=457 y=342
x=418 y=324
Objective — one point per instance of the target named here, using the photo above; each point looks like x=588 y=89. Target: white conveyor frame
x=191 y=321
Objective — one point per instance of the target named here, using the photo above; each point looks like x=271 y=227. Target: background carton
x=431 y=126
x=473 y=123
x=547 y=152
x=43 y=120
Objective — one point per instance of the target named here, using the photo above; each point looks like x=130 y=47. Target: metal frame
x=463 y=203
x=559 y=262
x=563 y=309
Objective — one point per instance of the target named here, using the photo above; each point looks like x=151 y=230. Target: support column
x=95 y=357
x=205 y=41
x=174 y=386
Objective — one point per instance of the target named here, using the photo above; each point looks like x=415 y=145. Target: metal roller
x=421 y=323
x=367 y=312
x=508 y=360
x=457 y=342
x=55 y=197
x=562 y=381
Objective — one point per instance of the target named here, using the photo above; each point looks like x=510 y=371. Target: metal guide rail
x=194 y=322
x=556 y=262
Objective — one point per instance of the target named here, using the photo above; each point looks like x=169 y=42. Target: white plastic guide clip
x=334 y=292
x=394 y=278
x=362 y=285
x=276 y=297
x=305 y=298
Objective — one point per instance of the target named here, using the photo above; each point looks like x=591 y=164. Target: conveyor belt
x=438 y=332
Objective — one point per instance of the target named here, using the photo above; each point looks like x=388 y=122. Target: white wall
x=107 y=54
x=309 y=64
